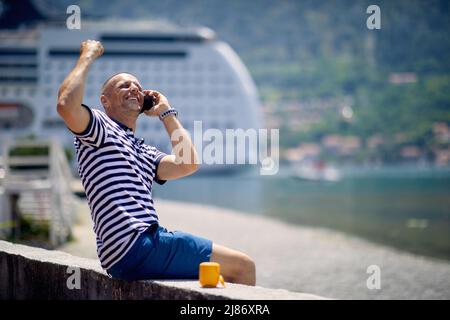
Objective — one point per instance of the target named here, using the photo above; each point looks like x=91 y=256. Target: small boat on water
x=316 y=171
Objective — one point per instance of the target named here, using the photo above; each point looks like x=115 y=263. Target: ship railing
x=36 y=188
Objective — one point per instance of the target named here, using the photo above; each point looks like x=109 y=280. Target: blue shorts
x=162 y=254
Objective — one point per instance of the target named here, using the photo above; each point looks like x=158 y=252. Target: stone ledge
x=34 y=273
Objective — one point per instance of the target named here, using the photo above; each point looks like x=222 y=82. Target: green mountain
x=312 y=49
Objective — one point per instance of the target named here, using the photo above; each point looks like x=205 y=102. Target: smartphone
x=149 y=102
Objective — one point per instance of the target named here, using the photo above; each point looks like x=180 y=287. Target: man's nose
x=134 y=88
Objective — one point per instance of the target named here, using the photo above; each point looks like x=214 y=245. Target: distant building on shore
x=399 y=78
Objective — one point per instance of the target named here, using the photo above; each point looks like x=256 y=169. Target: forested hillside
x=312 y=49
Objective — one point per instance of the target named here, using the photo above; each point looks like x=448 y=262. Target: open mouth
x=132 y=99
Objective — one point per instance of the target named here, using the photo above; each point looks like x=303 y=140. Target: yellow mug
x=209 y=275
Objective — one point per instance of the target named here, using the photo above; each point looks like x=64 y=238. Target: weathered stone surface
x=33 y=273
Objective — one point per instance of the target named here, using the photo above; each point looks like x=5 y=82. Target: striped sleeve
x=95 y=133
x=156 y=157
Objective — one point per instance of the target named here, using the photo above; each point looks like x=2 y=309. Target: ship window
x=51 y=123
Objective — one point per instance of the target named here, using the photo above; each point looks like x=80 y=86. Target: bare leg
x=235 y=266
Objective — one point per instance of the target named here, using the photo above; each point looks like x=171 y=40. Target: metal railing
x=37 y=187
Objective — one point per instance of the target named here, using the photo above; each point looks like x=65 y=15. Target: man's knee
x=236 y=266
x=245 y=270
x=249 y=265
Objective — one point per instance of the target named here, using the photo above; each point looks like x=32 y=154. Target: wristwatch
x=168 y=113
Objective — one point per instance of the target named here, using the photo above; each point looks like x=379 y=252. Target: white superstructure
x=201 y=76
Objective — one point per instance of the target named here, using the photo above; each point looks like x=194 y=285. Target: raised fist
x=91 y=49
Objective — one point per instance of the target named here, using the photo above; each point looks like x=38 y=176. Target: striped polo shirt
x=117 y=171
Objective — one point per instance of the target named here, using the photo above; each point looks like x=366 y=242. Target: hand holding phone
x=149 y=102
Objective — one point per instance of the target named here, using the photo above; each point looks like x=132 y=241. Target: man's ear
x=104 y=101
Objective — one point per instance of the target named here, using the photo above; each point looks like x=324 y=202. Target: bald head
x=109 y=83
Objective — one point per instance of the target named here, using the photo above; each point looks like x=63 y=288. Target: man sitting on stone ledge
x=117 y=171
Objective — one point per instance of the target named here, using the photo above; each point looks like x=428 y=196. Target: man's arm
x=70 y=95
x=184 y=161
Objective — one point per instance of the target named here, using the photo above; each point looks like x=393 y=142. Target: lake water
x=406 y=208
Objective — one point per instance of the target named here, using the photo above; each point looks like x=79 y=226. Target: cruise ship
x=203 y=78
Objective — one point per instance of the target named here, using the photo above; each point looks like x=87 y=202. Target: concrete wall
x=33 y=273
